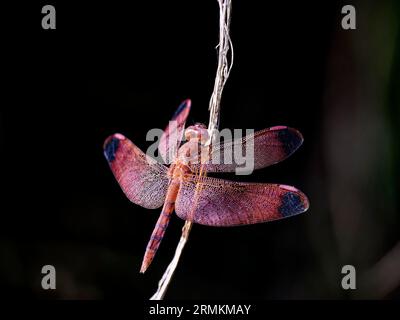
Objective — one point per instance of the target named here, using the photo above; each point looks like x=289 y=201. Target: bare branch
x=225 y=62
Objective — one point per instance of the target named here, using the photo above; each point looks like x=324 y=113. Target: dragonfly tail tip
x=144 y=267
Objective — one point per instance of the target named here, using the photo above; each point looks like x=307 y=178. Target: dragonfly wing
x=226 y=203
x=173 y=133
x=143 y=180
x=262 y=149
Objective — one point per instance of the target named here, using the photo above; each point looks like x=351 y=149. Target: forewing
x=225 y=203
x=258 y=150
x=143 y=180
x=173 y=133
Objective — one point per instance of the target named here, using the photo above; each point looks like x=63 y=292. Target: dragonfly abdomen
x=161 y=225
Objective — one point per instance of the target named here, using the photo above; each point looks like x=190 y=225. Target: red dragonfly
x=221 y=203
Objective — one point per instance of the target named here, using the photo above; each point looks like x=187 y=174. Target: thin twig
x=224 y=64
x=224 y=67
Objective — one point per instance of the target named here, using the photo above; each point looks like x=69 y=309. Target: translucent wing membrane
x=227 y=203
x=263 y=148
x=173 y=133
x=143 y=180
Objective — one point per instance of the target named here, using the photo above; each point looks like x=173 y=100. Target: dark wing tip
x=290 y=138
x=183 y=107
x=111 y=145
x=293 y=202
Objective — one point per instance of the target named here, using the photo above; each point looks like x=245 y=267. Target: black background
x=119 y=67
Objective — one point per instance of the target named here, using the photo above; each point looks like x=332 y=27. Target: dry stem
x=224 y=67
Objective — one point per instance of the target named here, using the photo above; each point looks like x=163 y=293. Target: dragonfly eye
x=200 y=125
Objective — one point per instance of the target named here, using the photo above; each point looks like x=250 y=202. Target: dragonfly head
x=197 y=131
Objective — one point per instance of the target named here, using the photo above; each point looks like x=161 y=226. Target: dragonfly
x=197 y=197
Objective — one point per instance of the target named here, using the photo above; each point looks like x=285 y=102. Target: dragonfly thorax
x=178 y=170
